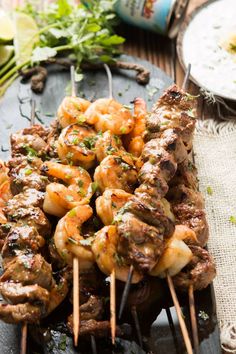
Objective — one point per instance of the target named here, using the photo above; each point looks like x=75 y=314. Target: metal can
x=161 y=16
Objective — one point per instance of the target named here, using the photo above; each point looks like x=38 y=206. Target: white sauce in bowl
x=213 y=67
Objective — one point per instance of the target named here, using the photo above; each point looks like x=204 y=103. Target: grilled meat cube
x=152 y=212
x=28 y=198
x=171 y=111
x=182 y=194
x=20 y=313
x=32 y=216
x=25 y=172
x=21 y=238
x=29 y=138
x=186 y=174
x=29 y=269
x=15 y=293
x=199 y=272
x=99 y=329
x=140 y=243
x=194 y=218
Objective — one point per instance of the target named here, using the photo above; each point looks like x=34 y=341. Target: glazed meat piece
x=28 y=198
x=29 y=269
x=140 y=243
x=194 y=218
x=152 y=212
x=29 y=138
x=15 y=293
x=25 y=172
x=186 y=174
x=21 y=238
x=172 y=110
x=99 y=329
x=20 y=313
x=182 y=194
x=199 y=272
x=52 y=138
x=32 y=216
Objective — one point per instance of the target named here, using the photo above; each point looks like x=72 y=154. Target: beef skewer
x=24 y=328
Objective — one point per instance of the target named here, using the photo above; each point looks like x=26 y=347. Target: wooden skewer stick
x=172 y=328
x=93 y=344
x=193 y=319
x=186 y=78
x=179 y=315
x=113 y=306
x=126 y=290
x=23 y=347
x=76 y=313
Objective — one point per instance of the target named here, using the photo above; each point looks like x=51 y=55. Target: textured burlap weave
x=215 y=157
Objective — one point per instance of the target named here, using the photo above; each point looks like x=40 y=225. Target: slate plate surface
x=15 y=113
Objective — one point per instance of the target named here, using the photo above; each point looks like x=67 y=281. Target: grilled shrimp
x=176 y=254
x=116 y=172
x=5 y=191
x=134 y=140
x=108 y=114
x=60 y=198
x=71 y=110
x=108 y=204
x=75 y=145
x=108 y=144
x=104 y=249
x=67 y=237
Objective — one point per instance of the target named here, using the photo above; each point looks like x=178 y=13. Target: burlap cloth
x=215 y=157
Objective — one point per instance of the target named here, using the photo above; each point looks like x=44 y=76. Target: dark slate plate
x=15 y=113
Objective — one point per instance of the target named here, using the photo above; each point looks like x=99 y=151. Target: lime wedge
x=25 y=36
x=6 y=52
x=6 y=28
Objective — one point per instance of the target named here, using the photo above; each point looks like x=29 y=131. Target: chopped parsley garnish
x=123 y=130
x=75 y=141
x=72 y=213
x=80 y=183
x=62 y=344
x=31 y=152
x=110 y=150
x=28 y=171
x=232 y=219
x=209 y=190
x=94 y=186
x=81 y=119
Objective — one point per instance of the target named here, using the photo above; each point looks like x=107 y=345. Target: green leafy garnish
x=232 y=219
x=209 y=190
x=94 y=186
x=28 y=171
x=31 y=152
x=85 y=31
x=62 y=343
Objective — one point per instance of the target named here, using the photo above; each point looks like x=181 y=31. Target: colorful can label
x=149 y=14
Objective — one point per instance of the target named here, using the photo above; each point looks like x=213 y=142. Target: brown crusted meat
x=172 y=110
x=33 y=137
x=25 y=172
x=29 y=197
x=20 y=313
x=21 y=238
x=15 y=293
x=141 y=243
x=32 y=216
x=29 y=269
x=194 y=218
x=199 y=272
x=182 y=194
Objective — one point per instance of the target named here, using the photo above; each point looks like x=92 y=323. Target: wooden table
x=161 y=51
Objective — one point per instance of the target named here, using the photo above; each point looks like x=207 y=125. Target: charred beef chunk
x=199 y=272
x=139 y=242
x=30 y=197
x=29 y=139
x=21 y=238
x=20 y=313
x=28 y=269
